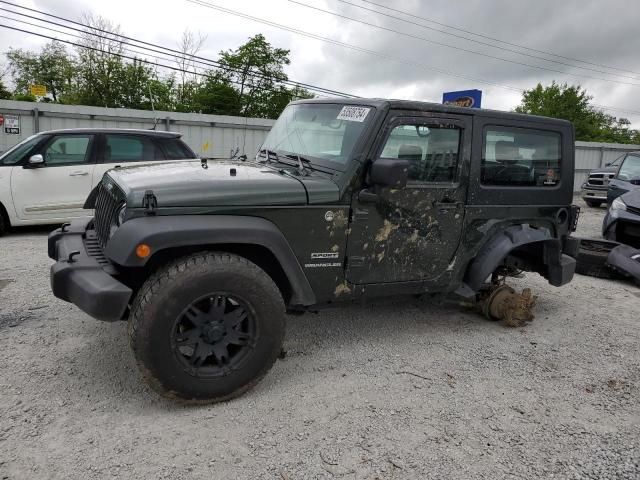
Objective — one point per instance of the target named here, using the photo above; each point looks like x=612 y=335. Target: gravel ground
x=400 y=389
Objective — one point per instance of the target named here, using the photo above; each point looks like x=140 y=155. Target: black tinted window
x=130 y=148
x=175 y=149
x=520 y=157
x=431 y=151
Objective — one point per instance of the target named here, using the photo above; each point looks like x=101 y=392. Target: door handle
x=78 y=174
x=446 y=205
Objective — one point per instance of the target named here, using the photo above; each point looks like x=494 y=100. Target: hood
x=223 y=183
x=610 y=170
x=632 y=199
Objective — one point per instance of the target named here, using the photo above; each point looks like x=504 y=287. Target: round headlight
x=121 y=214
x=618 y=204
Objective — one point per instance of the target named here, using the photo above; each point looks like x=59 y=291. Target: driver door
x=412 y=233
x=56 y=190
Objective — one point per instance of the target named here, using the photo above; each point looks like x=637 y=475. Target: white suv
x=46 y=178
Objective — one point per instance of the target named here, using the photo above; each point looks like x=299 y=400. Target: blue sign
x=463 y=98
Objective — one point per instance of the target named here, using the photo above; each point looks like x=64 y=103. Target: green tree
x=571 y=102
x=101 y=69
x=216 y=95
x=52 y=67
x=256 y=71
x=5 y=94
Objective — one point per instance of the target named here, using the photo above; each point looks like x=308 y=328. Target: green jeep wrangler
x=346 y=200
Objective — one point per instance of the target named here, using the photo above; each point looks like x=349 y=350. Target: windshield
x=319 y=131
x=15 y=154
x=630 y=169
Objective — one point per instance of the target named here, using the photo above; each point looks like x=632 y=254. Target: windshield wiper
x=301 y=170
x=267 y=155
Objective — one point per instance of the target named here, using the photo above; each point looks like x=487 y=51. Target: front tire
x=593 y=203
x=207 y=327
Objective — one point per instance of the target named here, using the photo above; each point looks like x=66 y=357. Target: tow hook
x=501 y=302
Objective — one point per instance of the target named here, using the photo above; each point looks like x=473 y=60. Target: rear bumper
x=80 y=278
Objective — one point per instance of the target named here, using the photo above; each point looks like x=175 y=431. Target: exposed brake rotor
x=501 y=302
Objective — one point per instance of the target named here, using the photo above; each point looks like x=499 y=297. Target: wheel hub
x=213 y=332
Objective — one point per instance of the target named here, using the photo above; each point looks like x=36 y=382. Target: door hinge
x=149 y=203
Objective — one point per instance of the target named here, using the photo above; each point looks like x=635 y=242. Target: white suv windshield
x=16 y=153
x=319 y=131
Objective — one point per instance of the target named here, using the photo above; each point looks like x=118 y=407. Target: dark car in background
x=622 y=222
x=594 y=190
x=627 y=177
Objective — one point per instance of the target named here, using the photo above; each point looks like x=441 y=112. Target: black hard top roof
x=432 y=107
x=135 y=131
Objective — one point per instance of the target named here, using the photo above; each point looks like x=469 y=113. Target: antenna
x=155 y=118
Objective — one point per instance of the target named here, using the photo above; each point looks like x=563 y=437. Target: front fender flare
x=498 y=247
x=162 y=232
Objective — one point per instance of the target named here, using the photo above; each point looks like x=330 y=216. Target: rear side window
x=630 y=169
x=130 y=148
x=520 y=157
x=175 y=149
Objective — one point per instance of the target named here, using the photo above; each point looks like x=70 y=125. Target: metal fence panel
x=207 y=135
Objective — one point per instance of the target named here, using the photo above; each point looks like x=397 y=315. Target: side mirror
x=36 y=160
x=387 y=172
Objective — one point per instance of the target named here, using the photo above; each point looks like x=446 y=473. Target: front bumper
x=82 y=276
x=622 y=226
x=594 y=193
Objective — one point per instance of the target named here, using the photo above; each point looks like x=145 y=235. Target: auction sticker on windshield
x=353 y=114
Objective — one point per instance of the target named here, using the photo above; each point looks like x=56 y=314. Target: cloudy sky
x=427 y=56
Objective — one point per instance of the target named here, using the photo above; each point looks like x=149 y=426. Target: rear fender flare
x=498 y=247
x=162 y=232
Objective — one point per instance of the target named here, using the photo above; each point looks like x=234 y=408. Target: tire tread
x=169 y=274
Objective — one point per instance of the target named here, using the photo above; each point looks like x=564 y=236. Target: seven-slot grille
x=108 y=202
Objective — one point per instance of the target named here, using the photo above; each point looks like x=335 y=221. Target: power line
x=348 y=45
x=129 y=48
x=412 y=15
x=168 y=49
x=135 y=59
x=605 y=107
x=364 y=50
x=475 y=52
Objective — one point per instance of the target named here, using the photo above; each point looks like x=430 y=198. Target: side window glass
x=630 y=168
x=175 y=150
x=129 y=148
x=520 y=157
x=432 y=151
x=63 y=150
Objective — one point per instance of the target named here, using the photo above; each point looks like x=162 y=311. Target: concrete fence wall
x=210 y=135
x=207 y=135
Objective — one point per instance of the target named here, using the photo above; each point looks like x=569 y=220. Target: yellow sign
x=38 y=90
x=205 y=146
